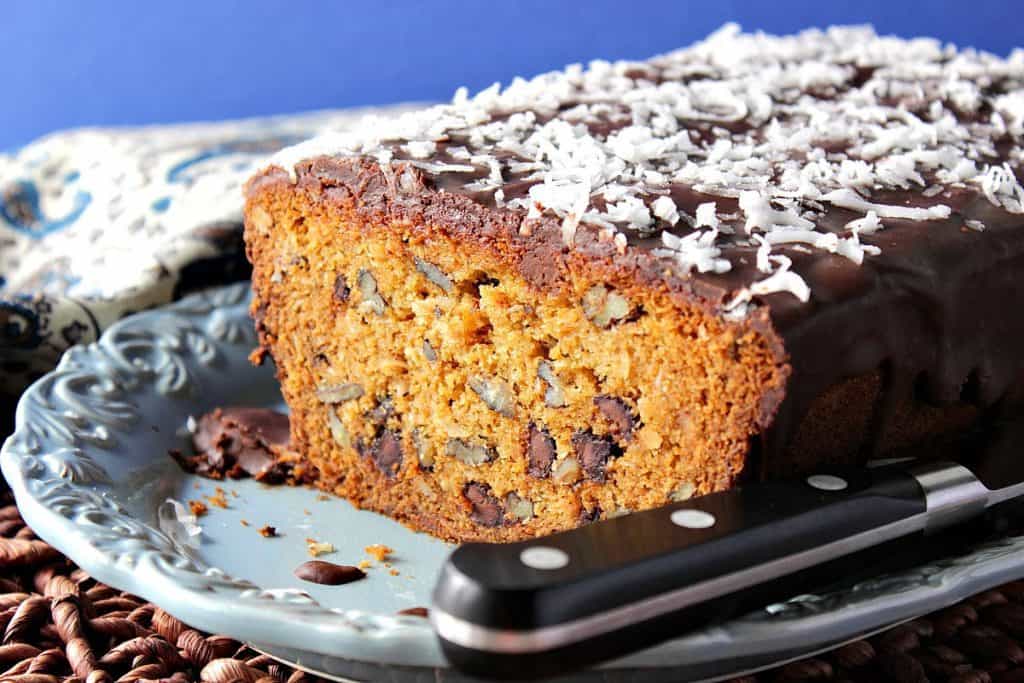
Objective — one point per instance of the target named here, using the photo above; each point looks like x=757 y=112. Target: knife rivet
x=827 y=482
x=544 y=557
x=693 y=519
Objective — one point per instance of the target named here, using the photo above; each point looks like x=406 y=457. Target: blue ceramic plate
x=89 y=466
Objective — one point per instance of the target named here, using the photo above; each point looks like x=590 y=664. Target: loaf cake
x=629 y=283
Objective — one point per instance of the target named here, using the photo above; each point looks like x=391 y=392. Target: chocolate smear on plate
x=239 y=442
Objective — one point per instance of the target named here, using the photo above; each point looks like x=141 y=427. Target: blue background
x=69 y=63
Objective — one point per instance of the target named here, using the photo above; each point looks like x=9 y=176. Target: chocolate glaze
x=938 y=311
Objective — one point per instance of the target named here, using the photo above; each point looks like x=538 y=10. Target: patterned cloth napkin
x=98 y=223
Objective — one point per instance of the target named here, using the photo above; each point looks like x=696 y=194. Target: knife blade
x=551 y=605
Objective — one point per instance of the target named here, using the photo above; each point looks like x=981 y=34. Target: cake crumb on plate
x=317 y=548
x=378 y=551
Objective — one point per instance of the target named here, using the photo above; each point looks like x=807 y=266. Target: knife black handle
x=553 y=604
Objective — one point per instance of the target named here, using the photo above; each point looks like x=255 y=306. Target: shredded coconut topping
x=788 y=129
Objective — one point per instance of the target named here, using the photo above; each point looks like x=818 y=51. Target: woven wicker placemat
x=60 y=625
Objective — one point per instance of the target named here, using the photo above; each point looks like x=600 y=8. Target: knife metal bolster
x=952 y=493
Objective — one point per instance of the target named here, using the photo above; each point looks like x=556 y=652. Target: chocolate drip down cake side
x=618 y=285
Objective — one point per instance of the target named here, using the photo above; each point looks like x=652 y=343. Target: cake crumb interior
x=429 y=381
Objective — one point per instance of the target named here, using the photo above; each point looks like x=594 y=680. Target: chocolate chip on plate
x=328 y=573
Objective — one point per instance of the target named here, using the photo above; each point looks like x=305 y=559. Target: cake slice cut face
x=606 y=289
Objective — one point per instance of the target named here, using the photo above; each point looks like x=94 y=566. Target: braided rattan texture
x=59 y=625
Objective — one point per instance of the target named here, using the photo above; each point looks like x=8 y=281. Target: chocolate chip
x=328 y=573
x=619 y=414
x=386 y=453
x=590 y=516
x=540 y=452
x=594 y=452
x=472 y=285
x=380 y=413
x=415 y=612
x=341 y=290
x=486 y=509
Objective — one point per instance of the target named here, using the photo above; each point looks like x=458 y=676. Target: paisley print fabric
x=96 y=224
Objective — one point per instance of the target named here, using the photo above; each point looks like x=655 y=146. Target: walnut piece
x=604 y=306
x=372 y=300
x=434 y=274
x=424 y=451
x=428 y=352
x=470 y=453
x=684 y=491
x=260 y=219
x=339 y=393
x=554 y=397
x=338 y=431
x=566 y=470
x=496 y=394
x=519 y=508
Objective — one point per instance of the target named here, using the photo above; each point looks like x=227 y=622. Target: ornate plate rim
x=82 y=405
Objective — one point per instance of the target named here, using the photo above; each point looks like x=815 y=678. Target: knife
x=551 y=605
